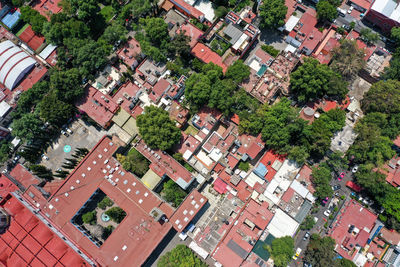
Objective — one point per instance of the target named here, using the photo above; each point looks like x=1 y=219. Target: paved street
x=319 y=226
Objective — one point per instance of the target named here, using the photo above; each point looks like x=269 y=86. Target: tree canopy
x=383 y=96
x=273 y=13
x=347 y=59
x=28 y=127
x=157 y=129
x=326 y=11
x=321 y=177
x=34 y=18
x=172 y=193
x=180 y=256
x=313 y=80
x=282 y=250
x=238 y=71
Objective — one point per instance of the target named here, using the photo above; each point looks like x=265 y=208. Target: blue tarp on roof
x=260 y=170
x=10 y=19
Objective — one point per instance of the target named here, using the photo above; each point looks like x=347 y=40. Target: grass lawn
x=22 y=29
x=107 y=12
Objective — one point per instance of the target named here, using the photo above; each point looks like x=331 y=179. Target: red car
x=341 y=176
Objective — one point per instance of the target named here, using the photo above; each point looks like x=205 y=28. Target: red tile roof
x=363 y=3
x=47 y=7
x=187 y=210
x=232 y=161
x=6 y=186
x=129 y=52
x=263 y=56
x=28 y=241
x=96 y=105
x=205 y=54
x=182 y=6
x=220 y=186
x=159 y=89
x=24 y=176
x=251 y=145
x=249 y=225
x=190 y=30
x=164 y=164
x=138 y=231
x=355 y=214
x=268 y=160
x=129 y=90
x=396 y=142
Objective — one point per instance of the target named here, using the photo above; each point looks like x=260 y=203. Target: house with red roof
x=206 y=55
x=131 y=53
x=96 y=105
x=191 y=31
x=23 y=176
x=240 y=239
x=392 y=171
x=33 y=40
x=158 y=90
x=352 y=229
x=185 y=8
x=47 y=7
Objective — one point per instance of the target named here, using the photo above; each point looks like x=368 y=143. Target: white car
x=327 y=213
x=45 y=157
x=350 y=9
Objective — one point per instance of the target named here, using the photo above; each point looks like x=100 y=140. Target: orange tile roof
x=205 y=54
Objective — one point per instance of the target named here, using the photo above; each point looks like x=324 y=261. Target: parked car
x=45 y=157
x=64 y=133
x=355 y=169
x=341 y=176
x=336 y=187
x=306 y=236
x=298 y=251
x=327 y=213
x=69 y=130
x=16 y=159
x=350 y=9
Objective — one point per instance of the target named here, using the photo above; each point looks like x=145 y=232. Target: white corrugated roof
x=14 y=64
x=290 y=24
x=282 y=225
x=47 y=51
x=4 y=108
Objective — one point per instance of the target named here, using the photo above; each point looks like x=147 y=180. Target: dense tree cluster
x=134 y=162
x=273 y=13
x=284 y=132
x=321 y=178
x=33 y=17
x=282 y=250
x=157 y=129
x=181 y=255
x=210 y=87
x=320 y=253
x=313 y=80
x=347 y=59
x=172 y=193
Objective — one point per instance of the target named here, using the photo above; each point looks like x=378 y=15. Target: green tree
x=198 y=89
x=28 y=127
x=181 y=255
x=116 y=214
x=298 y=154
x=282 y=250
x=115 y=32
x=326 y=11
x=85 y=9
x=5 y=148
x=33 y=17
x=270 y=50
x=321 y=177
x=104 y=203
x=157 y=129
x=319 y=252
x=89 y=217
x=179 y=46
x=273 y=13
x=395 y=34
x=238 y=72
x=134 y=162
x=312 y=80
x=62 y=27
x=368 y=36
x=347 y=59
x=54 y=111
x=308 y=223
x=345 y=263
x=383 y=96
x=244 y=166
x=171 y=192
x=393 y=71
x=337 y=161
x=28 y=99
x=67 y=84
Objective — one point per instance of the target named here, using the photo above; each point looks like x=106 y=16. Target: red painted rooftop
x=24 y=176
x=47 y=7
x=187 y=210
x=159 y=89
x=29 y=242
x=96 y=107
x=254 y=213
x=190 y=30
x=6 y=186
x=136 y=236
x=251 y=145
x=129 y=52
x=128 y=89
x=355 y=214
x=268 y=160
x=205 y=54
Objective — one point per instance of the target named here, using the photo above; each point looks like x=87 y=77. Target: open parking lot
x=83 y=136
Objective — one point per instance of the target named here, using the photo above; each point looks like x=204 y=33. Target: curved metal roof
x=14 y=64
